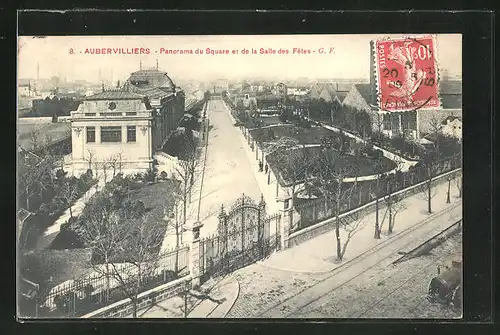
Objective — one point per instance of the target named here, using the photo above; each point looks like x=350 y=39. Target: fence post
x=285 y=224
x=195 y=255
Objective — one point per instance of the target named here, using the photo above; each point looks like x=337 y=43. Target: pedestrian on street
x=266 y=168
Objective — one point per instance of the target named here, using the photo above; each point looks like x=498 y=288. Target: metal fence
x=316 y=210
x=245 y=234
x=87 y=294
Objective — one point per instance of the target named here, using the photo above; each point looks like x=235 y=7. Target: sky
x=350 y=57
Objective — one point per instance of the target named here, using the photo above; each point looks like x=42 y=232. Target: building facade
x=128 y=125
x=413 y=124
x=113 y=125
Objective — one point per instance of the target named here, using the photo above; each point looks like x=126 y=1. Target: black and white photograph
x=239 y=176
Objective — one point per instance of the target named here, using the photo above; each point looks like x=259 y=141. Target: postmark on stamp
x=406 y=73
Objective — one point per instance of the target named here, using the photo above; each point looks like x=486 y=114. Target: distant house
x=327 y=91
x=415 y=124
x=452 y=126
x=268 y=104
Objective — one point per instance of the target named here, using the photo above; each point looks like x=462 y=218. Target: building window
x=111 y=134
x=90 y=134
x=131 y=133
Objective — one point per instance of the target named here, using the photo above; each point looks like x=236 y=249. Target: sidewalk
x=318 y=254
x=268 y=190
x=79 y=205
x=212 y=300
x=170 y=165
x=406 y=164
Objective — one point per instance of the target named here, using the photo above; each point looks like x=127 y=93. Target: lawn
x=310 y=157
x=311 y=135
x=156 y=197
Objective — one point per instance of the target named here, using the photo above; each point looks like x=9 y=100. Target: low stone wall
x=329 y=224
x=34 y=120
x=123 y=308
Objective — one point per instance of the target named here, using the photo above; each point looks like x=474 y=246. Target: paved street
x=389 y=291
x=298 y=281
x=228 y=171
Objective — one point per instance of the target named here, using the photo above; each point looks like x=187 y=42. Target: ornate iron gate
x=245 y=234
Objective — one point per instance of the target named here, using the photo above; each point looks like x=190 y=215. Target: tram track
x=375 y=308
x=330 y=282
x=407 y=293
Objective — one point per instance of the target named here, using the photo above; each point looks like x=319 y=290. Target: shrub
x=163 y=175
x=151 y=174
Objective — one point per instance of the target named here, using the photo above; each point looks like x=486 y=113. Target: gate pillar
x=194 y=253
x=285 y=225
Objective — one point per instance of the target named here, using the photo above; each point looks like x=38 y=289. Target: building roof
x=451 y=101
x=115 y=95
x=44 y=134
x=450 y=119
x=366 y=92
x=267 y=97
x=150 y=78
x=341 y=95
x=450 y=87
x=155 y=92
x=335 y=90
x=23 y=214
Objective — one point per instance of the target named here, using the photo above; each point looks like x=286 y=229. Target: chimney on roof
x=140 y=65
x=157 y=64
x=102 y=86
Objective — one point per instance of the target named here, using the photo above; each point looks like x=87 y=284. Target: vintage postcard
x=274 y=176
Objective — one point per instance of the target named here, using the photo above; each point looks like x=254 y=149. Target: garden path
x=405 y=164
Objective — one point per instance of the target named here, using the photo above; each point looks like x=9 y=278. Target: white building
x=112 y=125
x=128 y=125
x=452 y=126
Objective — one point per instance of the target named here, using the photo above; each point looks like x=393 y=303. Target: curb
x=365 y=253
x=297 y=271
x=229 y=280
x=235 y=298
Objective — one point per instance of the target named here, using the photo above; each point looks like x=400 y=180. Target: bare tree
x=279 y=149
x=35 y=139
x=392 y=182
x=331 y=177
x=104 y=166
x=458 y=183
x=68 y=192
x=135 y=256
x=90 y=159
x=427 y=191
x=102 y=231
x=435 y=128
x=188 y=173
x=119 y=156
x=35 y=174
x=379 y=171
x=113 y=162
x=448 y=179
x=397 y=206
x=352 y=228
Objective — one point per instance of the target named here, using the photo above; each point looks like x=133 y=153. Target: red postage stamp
x=407 y=73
